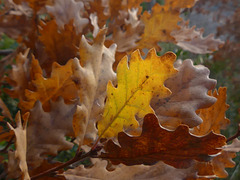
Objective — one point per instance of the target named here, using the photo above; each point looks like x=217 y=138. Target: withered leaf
x=19 y=155
x=47 y=131
x=67 y=10
x=177 y=148
x=189 y=93
x=159 y=171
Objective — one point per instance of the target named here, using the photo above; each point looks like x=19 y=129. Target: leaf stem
x=78 y=157
x=235 y=135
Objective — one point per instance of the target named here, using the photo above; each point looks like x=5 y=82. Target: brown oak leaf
x=177 y=148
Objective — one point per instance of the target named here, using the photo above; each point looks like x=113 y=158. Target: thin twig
x=78 y=157
x=5 y=52
x=234 y=136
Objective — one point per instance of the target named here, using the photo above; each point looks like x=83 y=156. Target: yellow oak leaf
x=137 y=83
x=158 y=26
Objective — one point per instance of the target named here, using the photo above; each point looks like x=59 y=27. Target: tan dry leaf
x=234 y=147
x=126 y=40
x=137 y=172
x=21 y=148
x=67 y=10
x=47 y=131
x=189 y=93
x=192 y=40
x=19 y=77
x=91 y=74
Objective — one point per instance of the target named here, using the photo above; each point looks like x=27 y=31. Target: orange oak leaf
x=5 y=110
x=177 y=148
x=19 y=155
x=36 y=5
x=189 y=93
x=214 y=120
x=178 y=4
x=214 y=117
x=60 y=44
x=45 y=89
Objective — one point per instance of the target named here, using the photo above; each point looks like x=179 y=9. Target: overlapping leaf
x=47 y=131
x=177 y=148
x=214 y=120
x=136 y=172
x=67 y=10
x=59 y=84
x=136 y=86
x=193 y=41
x=18 y=79
x=214 y=117
x=91 y=74
x=60 y=44
x=189 y=93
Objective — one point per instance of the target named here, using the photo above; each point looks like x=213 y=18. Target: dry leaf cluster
x=80 y=78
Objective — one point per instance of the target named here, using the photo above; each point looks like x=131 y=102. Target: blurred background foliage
x=220 y=17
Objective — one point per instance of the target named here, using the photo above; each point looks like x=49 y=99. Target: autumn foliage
x=87 y=74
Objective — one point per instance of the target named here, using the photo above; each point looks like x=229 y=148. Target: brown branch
x=78 y=157
x=234 y=136
x=5 y=52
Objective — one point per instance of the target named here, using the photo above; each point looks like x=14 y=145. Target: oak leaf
x=189 y=92
x=192 y=40
x=67 y=10
x=234 y=147
x=177 y=148
x=60 y=44
x=91 y=74
x=45 y=89
x=137 y=84
x=47 y=131
x=213 y=117
x=178 y=4
x=4 y=134
x=214 y=120
x=19 y=155
x=136 y=172
x=126 y=39
x=158 y=26
x=19 y=77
